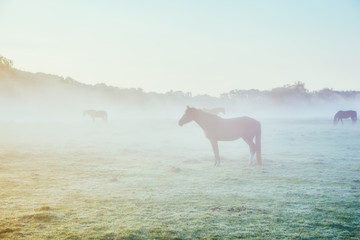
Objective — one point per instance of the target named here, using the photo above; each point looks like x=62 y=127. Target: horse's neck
x=204 y=120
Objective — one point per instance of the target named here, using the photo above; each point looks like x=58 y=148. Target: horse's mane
x=207 y=114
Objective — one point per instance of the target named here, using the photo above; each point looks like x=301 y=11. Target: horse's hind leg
x=252 y=148
x=215 y=148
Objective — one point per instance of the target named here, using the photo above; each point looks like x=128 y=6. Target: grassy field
x=137 y=179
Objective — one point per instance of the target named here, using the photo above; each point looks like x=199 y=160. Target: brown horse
x=220 y=129
x=96 y=114
x=345 y=114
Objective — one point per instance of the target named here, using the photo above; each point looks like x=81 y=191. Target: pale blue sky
x=199 y=46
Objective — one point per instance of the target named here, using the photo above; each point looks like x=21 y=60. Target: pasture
x=151 y=179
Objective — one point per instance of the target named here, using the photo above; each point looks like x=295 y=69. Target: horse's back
x=243 y=121
x=234 y=128
x=346 y=114
x=248 y=125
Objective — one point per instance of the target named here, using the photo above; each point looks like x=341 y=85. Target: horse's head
x=188 y=116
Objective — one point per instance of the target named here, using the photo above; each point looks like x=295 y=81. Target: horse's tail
x=258 y=144
x=355 y=116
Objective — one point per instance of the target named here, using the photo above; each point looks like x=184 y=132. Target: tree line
x=296 y=92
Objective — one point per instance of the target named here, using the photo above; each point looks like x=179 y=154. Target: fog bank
x=26 y=96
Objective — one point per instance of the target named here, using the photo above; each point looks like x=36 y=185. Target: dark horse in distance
x=345 y=114
x=220 y=129
x=96 y=114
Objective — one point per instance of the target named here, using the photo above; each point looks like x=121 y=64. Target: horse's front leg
x=215 y=148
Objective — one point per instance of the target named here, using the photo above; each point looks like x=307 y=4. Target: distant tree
x=326 y=94
x=349 y=94
x=5 y=64
x=290 y=92
x=242 y=94
x=330 y=94
x=100 y=86
x=179 y=94
x=225 y=96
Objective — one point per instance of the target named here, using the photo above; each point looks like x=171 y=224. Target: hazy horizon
x=290 y=84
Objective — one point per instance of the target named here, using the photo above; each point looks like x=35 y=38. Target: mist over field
x=139 y=175
x=38 y=96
